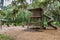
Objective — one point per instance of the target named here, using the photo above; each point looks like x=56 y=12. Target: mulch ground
x=20 y=33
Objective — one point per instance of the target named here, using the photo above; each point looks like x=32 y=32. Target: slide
x=50 y=20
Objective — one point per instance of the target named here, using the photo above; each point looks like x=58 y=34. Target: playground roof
x=36 y=9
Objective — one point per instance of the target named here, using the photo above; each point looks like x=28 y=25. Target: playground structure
x=36 y=19
x=2 y=22
x=37 y=13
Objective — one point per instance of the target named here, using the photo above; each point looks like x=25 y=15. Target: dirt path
x=20 y=33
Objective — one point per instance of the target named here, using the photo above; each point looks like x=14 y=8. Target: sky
x=9 y=2
x=28 y=1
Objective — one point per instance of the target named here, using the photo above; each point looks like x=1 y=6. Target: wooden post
x=0 y=24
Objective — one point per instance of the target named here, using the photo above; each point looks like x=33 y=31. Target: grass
x=5 y=37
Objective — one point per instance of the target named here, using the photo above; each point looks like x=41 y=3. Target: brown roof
x=36 y=9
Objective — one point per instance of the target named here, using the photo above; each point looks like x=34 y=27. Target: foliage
x=17 y=11
x=5 y=37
